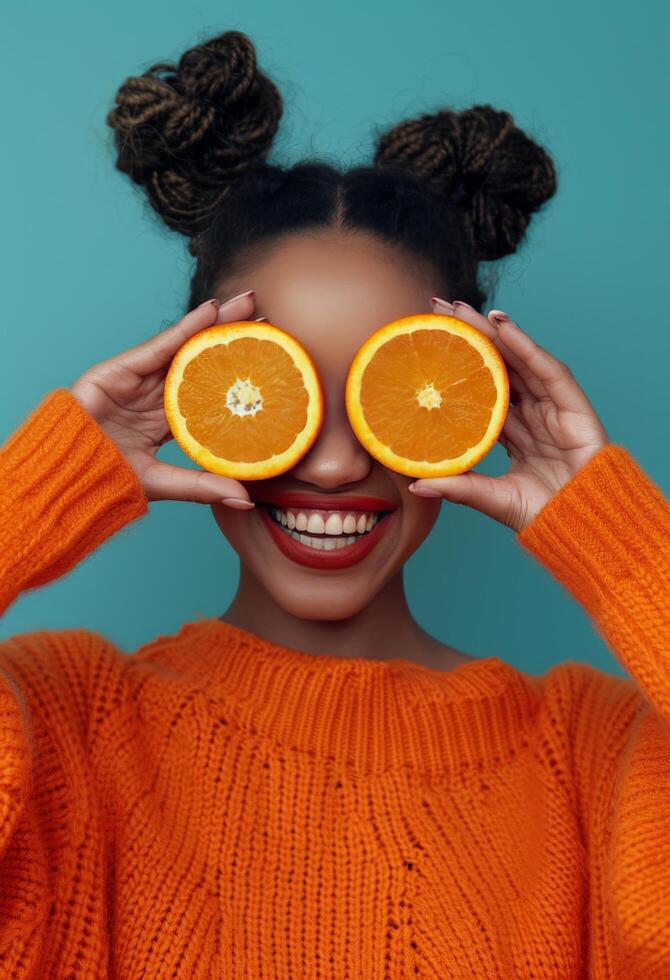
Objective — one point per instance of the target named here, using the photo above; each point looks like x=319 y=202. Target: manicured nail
x=249 y=292
x=239 y=503
x=460 y=302
x=424 y=491
x=442 y=303
x=498 y=315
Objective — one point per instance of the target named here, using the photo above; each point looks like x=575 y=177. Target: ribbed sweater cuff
x=64 y=488
x=606 y=532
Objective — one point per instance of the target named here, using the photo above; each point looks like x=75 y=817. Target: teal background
x=87 y=271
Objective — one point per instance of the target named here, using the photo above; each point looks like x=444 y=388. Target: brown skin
x=331 y=291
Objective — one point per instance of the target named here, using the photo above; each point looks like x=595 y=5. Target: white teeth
x=323 y=544
x=315 y=524
x=333 y=524
x=336 y=529
x=349 y=524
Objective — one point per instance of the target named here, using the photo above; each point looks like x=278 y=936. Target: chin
x=324 y=583
x=315 y=597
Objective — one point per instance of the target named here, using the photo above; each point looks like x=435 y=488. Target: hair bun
x=186 y=131
x=480 y=162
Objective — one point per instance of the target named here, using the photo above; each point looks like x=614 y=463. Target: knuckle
x=561 y=368
x=93 y=373
x=150 y=477
x=238 y=488
x=197 y=488
x=515 y=512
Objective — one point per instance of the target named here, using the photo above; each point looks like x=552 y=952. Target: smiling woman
x=309 y=784
x=317 y=288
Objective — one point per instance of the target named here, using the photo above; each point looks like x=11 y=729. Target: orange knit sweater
x=213 y=805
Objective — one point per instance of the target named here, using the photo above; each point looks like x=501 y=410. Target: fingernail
x=258 y=318
x=239 y=503
x=442 y=303
x=424 y=491
x=249 y=292
x=214 y=302
x=460 y=302
x=498 y=315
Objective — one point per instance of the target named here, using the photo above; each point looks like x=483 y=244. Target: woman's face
x=331 y=291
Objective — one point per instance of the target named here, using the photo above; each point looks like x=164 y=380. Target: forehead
x=332 y=290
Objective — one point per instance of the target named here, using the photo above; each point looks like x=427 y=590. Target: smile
x=325 y=530
x=322 y=538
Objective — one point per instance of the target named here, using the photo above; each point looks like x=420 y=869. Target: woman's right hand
x=125 y=396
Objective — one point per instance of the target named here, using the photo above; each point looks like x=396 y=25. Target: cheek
x=420 y=516
x=418 y=520
x=232 y=524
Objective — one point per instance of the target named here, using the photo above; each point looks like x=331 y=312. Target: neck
x=383 y=630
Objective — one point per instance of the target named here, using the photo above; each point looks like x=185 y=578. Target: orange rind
x=427 y=395
x=243 y=400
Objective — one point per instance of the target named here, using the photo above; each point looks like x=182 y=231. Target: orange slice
x=427 y=395
x=243 y=399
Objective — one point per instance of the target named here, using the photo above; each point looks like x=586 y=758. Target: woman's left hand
x=551 y=430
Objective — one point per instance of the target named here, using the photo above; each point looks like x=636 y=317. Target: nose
x=337 y=457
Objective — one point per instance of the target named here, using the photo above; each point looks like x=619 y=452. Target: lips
x=325 y=501
x=333 y=560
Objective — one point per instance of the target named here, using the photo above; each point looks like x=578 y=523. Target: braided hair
x=450 y=189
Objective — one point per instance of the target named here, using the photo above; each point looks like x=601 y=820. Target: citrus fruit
x=427 y=395
x=243 y=399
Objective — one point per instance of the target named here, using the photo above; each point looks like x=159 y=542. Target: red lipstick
x=301 y=553
x=324 y=501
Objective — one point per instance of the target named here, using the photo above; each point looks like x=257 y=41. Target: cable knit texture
x=213 y=805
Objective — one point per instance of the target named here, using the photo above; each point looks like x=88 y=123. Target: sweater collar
x=370 y=716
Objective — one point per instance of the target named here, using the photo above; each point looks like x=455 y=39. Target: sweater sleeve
x=605 y=536
x=64 y=488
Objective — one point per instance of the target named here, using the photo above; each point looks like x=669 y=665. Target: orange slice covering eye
x=427 y=395
x=243 y=399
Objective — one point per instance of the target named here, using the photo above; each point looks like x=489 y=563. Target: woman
x=310 y=785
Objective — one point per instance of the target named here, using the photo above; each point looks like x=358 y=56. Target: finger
x=556 y=377
x=466 y=313
x=491 y=495
x=162 y=481
x=533 y=385
x=157 y=352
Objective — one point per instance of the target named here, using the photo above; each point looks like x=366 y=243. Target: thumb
x=162 y=481
x=494 y=496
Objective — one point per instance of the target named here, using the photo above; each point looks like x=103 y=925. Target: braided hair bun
x=185 y=132
x=482 y=163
